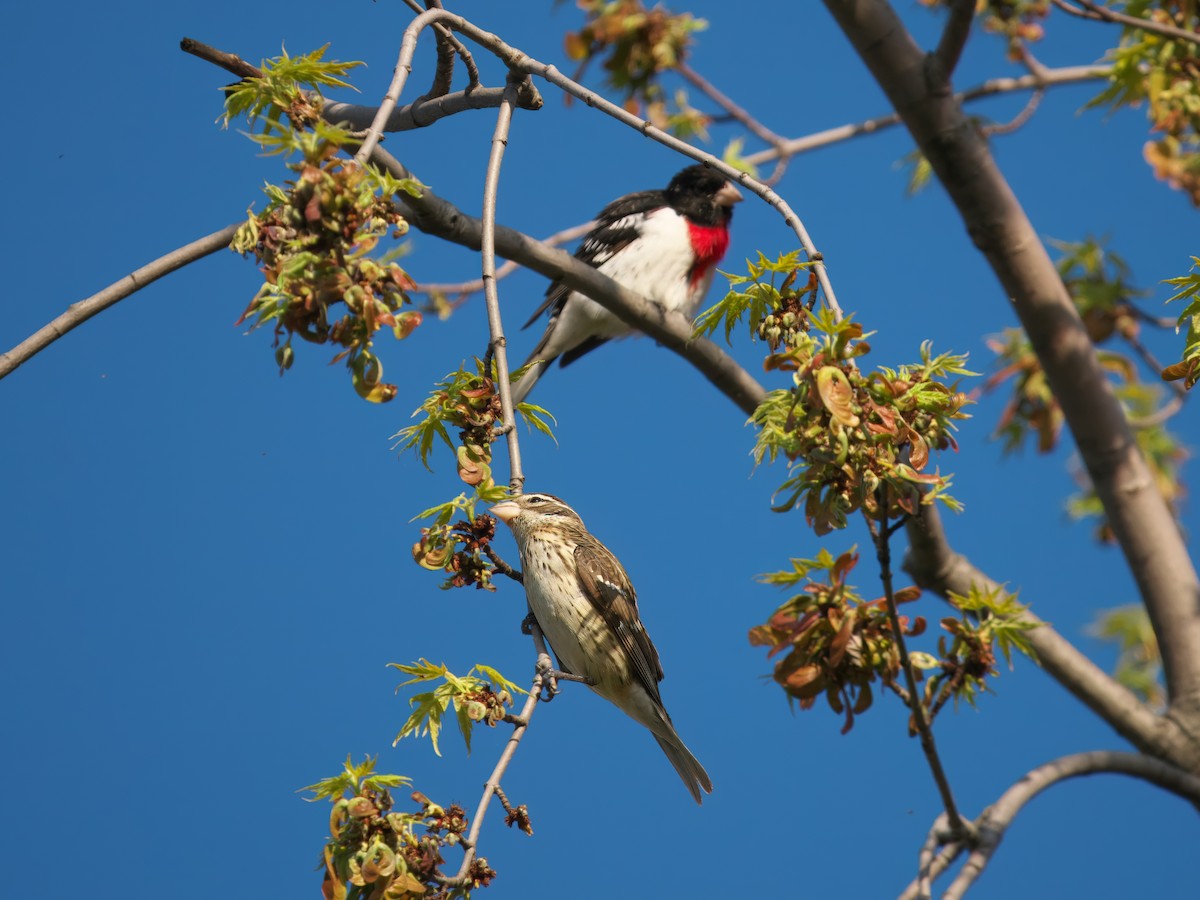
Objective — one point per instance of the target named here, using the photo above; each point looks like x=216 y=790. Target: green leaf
x=497 y=679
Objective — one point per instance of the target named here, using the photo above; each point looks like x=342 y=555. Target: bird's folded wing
x=607 y=588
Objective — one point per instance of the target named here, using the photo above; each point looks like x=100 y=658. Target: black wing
x=616 y=227
x=606 y=585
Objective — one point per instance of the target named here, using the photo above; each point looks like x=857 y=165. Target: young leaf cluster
x=314 y=240
x=468 y=402
x=290 y=86
x=461 y=550
x=853 y=441
x=836 y=642
x=1100 y=285
x=313 y=244
x=988 y=621
x=1187 y=287
x=1162 y=73
x=377 y=853
x=1032 y=408
x=474 y=698
x=636 y=45
x=777 y=310
x=1139 y=663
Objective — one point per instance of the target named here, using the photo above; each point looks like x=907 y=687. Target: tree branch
x=421 y=113
x=78 y=313
x=492 y=786
x=992 y=87
x=433 y=215
x=738 y=113
x=230 y=62
x=424 y=111
x=1097 y=13
x=883 y=552
x=438 y=217
x=1143 y=524
x=996 y=819
x=1020 y=118
x=992 y=825
x=932 y=861
x=488 y=248
x=462 y=288
x=954 y=36
x=934 y=566
x=447 y=46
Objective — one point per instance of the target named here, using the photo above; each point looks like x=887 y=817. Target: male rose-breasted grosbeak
x=587 y=609
x=664 y=245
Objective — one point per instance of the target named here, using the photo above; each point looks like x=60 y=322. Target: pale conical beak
x=728 y=195
x=506 y=511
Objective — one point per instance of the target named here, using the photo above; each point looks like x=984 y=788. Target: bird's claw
x=527 y=624
x=552 y=676
x=549 y=676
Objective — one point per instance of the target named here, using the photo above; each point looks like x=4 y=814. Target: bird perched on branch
x=587 y=609
x=664 y=245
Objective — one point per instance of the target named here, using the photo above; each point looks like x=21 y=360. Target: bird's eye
x=536 y=499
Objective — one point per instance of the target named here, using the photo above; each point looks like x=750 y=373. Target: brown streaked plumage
x=587 y=608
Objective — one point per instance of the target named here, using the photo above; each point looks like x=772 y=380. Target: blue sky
x=207 y=566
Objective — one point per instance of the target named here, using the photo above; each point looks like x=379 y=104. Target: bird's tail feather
x=543 y=356
x=526 y=382
x=688 y=767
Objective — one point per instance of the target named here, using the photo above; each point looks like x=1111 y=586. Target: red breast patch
x=709 y=243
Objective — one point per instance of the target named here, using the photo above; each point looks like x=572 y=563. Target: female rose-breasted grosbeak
x=664 y=245
x=587 y=609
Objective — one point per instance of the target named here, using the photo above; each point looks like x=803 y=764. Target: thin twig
x=1157 y=321
x=927 y=859
x=1017 y=121
x=958 y=827
x=737 y=113
x=503 y=567
x=493 y=782
x=78 y=313
x=993 y=824
x=1162 y=414
x=1179 y=391
x=495 y=326
x=954 y=36
x=944 y=860
x=992 y=87
x=1096 y=13
x=424 y=111
x=446 y=38
x=230 y=62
